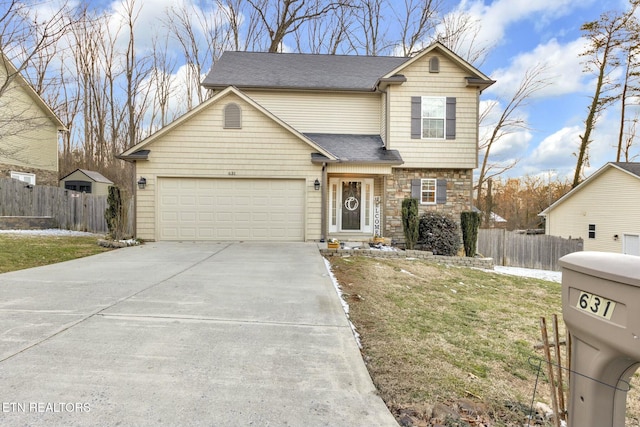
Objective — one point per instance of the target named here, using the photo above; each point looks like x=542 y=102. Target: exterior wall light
x=316 y=184
x=142 y=182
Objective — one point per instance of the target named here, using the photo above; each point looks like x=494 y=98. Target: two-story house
x=302 y=147
x=28 y=130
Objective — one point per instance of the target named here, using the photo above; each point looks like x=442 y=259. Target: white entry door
x=631 y=244
x=351 y=205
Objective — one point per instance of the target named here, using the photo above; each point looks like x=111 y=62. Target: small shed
x=85 y=181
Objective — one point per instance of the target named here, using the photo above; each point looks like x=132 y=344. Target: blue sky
x=522 y=33
x=546 y=31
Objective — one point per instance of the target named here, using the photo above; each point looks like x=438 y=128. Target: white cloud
x=562 y=64
x=500 y=14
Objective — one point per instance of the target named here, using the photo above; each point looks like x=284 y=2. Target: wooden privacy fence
x=69 y=209
x=512 y=249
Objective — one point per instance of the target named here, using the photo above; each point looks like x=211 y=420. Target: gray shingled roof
x=299 y=71
x=96 y=176
x=356 y=148
x=632 y=167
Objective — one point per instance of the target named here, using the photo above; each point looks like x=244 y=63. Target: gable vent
x=434 y=64
x=232 y=116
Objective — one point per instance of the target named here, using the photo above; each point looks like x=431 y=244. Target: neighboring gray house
x=85 y=181
x=300 y=147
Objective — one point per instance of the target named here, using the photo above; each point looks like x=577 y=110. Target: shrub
x=114 y=214
x=470 y=222
x=410 y=222
x=439 y=234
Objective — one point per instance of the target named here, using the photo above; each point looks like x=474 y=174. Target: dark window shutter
x=232 y=117
x=441 y=191
x=416 y=117
x=416 y=189
x=451 y=118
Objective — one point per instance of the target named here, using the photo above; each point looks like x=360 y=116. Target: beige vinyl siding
x=30 y=137
x=460 y=153
x=348 y=168
x=324 y=112
x=200 y=147
x=609 y=201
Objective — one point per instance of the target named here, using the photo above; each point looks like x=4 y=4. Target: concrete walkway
x=182 y=334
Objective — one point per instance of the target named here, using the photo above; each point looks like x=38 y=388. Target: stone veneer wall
x=43 y=176
x=398 y=187
x=485 y=263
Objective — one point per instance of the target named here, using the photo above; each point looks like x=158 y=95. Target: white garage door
x=230 y=209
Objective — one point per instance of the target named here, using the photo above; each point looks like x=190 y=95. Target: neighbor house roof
x=37 y=99
x=630 y=168
x=321 y=71
x=93 y=175
x=355 y=149
x=299 y=71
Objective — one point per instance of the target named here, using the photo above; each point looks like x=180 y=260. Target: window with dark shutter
x=232 y=116
x=433 y=117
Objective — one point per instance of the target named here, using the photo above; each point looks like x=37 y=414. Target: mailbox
x=601 y=307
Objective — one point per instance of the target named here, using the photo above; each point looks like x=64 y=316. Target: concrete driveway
x=182 y=334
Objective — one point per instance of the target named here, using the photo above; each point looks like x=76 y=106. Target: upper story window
x=232 y=116
x=433 y=117
x=434 y=64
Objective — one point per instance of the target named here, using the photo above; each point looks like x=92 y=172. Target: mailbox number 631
x=595 y=304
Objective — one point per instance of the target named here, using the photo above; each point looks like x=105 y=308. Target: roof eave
x=292 y=88
x=481 y=84
x=135 y=156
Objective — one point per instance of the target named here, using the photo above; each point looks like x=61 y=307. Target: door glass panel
x=351 y=204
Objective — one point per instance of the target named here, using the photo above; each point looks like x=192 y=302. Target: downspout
x=323 y=204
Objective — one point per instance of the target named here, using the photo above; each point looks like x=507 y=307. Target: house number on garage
x=232 y=173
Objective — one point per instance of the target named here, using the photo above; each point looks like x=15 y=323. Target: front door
x=351 y=205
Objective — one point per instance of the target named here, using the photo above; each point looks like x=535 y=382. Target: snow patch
x=345 y=305
x=548 y=275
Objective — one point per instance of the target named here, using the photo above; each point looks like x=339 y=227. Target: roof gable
x=134 y=153
x=92 y=175
x=21 y=82
x=629 y=168
x=476 y=77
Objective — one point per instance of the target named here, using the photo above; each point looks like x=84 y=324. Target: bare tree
x=203 y=39
x=508 y=122
x=605 y=37
x=459 y=32
x=370 y=34
x=416 y=21
x=243 y=24
x=328 y=35
x=27 y=44
x=631 y=83
x=282 y=17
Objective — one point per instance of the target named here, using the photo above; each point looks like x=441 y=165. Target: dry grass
x=437 y=334
x=19 y=251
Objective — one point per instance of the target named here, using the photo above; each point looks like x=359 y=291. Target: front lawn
x=18 y=251
x=437 y=338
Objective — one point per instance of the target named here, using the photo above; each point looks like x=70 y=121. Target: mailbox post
x=601 y=307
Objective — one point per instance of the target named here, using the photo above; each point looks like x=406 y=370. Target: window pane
x=433 y=128
x=428 y=193
x=433 y=107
